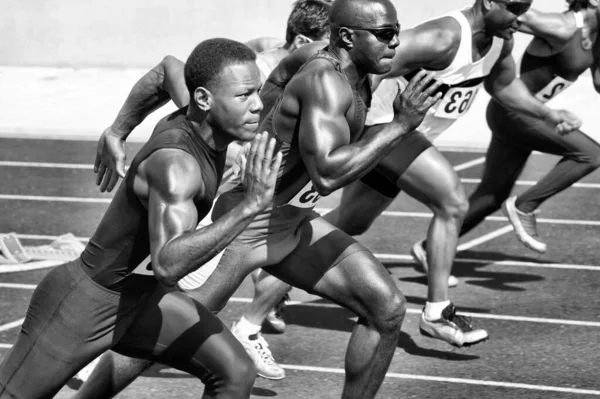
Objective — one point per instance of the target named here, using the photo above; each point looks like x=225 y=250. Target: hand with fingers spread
x=260 y=173
x=411 y=105
x=110 y=160
x=564 y=120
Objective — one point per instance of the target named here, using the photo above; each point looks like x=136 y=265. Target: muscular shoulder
x=320 y=83
x=431 y=45
x=173 y=173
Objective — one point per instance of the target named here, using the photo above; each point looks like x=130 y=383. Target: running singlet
x=546 y=77
x=121 y=241
x=462 y=79
x=295 y=195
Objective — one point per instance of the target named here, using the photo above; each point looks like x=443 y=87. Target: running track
x=543 y=312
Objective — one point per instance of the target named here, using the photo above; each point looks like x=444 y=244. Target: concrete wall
x=137 y=33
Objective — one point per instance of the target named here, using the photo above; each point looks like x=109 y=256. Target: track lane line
x=484 y=238
x=469 y=164
x=513 y=385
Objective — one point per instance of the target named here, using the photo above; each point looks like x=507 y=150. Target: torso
x=462 y=79
x=121 y=241
x=546 y=77
x=294 y=195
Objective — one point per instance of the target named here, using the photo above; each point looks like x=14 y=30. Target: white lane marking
x=5 y=346
x=50 y=198
x=513 y=263
x=513 y=385
x=21 y=286
x=11 y=325
x=23 y=267
x=469 y=164
x=484 y=238
x=580 y=323
x=533 y=183
x=382 y=257
x=319 y=210
x=47 y=165
x=490 y=218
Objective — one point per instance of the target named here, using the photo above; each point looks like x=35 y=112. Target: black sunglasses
x=386 y=33
x=516 y=7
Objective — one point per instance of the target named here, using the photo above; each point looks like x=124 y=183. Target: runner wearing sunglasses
x=416 y=165
x=562 y=50
x=318 y=123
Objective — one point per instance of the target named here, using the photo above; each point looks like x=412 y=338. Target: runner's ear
x=203 y=98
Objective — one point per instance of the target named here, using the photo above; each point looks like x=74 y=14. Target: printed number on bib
x=144 y=268
x=456 y=102
x=552 y=89
x=306 y=198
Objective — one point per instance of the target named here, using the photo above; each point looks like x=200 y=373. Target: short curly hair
x=309 y=18
x=578 y=5
x=207 y=61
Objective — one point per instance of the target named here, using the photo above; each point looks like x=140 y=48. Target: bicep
x=174 y=81
x=174 y=179
x=323 y=124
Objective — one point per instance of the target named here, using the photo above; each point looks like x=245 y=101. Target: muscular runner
x=307 y=22
x=564 y=47
x=318 y=123
x=110 y=297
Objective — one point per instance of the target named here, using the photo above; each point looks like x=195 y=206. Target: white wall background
x=137 y=33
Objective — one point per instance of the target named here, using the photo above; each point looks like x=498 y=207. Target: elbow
x=164 y=275
x=324 y=187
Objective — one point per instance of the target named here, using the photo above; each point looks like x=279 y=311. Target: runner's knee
x=454 y=205
x=391 y=312
x=237 y=379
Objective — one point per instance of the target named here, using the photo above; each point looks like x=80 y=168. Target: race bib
x=557 y=85
x=456 y=102
x=306 y=198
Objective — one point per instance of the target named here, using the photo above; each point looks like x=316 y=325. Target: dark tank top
x=293 y=176
x=121 y=241
x=538 y=72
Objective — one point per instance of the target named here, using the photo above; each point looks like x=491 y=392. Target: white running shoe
x=419 y=255
x=258 y=350
x=525 y=226
x=452 y=328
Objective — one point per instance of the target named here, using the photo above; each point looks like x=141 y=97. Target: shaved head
x=369 y=13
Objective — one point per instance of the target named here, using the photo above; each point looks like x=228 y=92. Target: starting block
x=65 y=248
x=12 y=250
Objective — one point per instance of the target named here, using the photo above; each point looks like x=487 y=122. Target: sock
x=433 y=310
x=244 y=328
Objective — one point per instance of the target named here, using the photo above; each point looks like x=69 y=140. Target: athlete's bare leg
x=359 y=206
x=431 y=180
x=112 y=374
x=268 y=292
x=331 y=264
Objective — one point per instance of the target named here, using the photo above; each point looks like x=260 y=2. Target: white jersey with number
x=463 y=75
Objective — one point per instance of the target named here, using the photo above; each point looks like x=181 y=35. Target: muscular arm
x=161 y=84
x=171 y=180
x=595 y=68
x=552 y=31
x=502 y=83
x=431 y=45
x=555 y=27
x=324 y=135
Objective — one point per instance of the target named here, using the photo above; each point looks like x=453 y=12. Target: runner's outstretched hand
x=411 y=105
x=564 y=120
x=110 y=160
x=260 y=172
